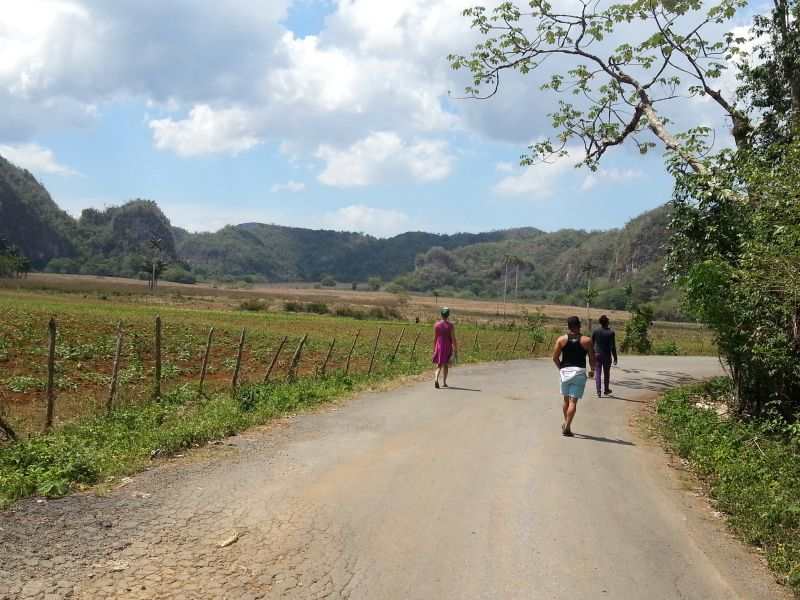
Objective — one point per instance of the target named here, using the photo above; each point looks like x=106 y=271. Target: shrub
x=384 y=312
x=253 y=304
x=349 y=311
x=319 y=308
x=62 y=265
x=291 y=306
x=637 y=331
x=178 y=274
x=328 y=281
x=752 y=468
x=394 y=288
x=666 y=348
x=374 y=283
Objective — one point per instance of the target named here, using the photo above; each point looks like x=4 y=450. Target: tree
x=374 y=283
x=771 y=77
x=736 y=247
x=637 y=328
x=616 y=90
x=12 y=262
x=156 y=264
x=735 y=243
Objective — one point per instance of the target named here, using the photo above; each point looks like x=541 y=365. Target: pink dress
x=443 y=342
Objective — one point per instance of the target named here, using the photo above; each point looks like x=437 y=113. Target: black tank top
x=573 y=354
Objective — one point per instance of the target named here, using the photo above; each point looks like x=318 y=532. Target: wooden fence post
x=51 y=372
x=235 y=378
x=157 y=376
x=533 y=347
x=414 y=347
x=374 y=350
x=497 y=347
x=350 y=354
x=397 y=345
x=292 y=374
x=327 y=358
x=516 y=341
x=115 y=370
x=204 y=366
x=475 y=343
x=275 y=359
x=7 y=430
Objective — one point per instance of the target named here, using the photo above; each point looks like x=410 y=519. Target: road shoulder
x=741 y=566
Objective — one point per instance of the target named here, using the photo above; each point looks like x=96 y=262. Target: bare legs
x=569 y=408
x=441 y=370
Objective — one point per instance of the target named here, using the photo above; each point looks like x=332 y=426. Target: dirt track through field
x=469 y=492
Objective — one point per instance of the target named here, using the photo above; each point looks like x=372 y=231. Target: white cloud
x=206 y=131
x=504 y=167
x=540 y=180
x=35 y=158
x=615 y=176
x=376 y=221
x=222 y=77
x=289 y=186
x=384 y=157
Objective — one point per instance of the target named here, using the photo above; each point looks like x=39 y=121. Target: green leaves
x=752 y=468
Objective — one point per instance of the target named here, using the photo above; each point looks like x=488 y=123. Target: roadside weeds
x=751 y=469
x=95 y=450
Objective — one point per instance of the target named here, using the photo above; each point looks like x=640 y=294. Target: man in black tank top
x=569 y=356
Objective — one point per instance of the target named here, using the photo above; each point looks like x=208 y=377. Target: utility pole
x=588 y=268
x=505 y=286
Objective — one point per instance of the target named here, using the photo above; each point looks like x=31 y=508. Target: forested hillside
x=30 y=219
x=292 y=254
x=124 y=241
x=554 y=266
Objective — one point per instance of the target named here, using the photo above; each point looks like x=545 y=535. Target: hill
x=543 y=266
x=30 y=219
x=295 y=254
x=554 y=266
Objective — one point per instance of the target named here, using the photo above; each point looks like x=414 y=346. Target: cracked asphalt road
x=464 y=493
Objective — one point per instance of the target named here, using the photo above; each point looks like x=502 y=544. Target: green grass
x=752 y=469
x=91 y=450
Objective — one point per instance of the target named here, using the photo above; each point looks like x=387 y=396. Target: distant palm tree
x=514 y=261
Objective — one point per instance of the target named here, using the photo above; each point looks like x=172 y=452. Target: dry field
x=210 y=295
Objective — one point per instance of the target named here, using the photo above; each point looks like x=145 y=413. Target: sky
x=336 y=114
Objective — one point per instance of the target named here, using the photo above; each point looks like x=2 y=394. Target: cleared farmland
x=88 y=312
x=87 y=332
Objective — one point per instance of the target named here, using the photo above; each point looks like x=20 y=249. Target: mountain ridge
x=122 y=240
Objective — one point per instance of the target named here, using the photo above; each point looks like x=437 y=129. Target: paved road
x=415 y=493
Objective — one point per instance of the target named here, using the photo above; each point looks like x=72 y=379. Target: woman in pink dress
x=444 y=346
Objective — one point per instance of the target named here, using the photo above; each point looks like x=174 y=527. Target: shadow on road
x=595 y=438
x=461 y=389
x=618 y=397
x=663 y=380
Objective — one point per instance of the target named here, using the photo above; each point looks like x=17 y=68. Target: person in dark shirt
x=605 y=349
